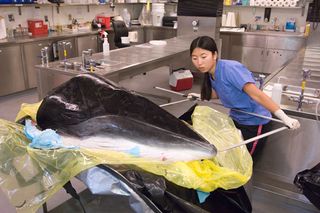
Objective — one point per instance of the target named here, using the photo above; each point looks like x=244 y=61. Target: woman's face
x=203 y=60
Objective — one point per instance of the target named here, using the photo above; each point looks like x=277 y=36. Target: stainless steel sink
x=308 y=107
x=70 y=65
x=76 y=66
x=312 y=82
x=295 y=90
x=290 y=97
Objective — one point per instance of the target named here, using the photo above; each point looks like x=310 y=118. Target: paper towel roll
x=231 y=19
x=224 y=20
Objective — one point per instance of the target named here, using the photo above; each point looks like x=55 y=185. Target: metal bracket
x=19 y=10
x=58 y=9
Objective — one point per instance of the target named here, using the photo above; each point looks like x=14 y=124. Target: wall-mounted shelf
x=242 y=6
x=70 y=5
x=255 y=7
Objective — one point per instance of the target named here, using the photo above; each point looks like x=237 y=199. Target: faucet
x=64 y=47
x=112 y=6
x=44 y=57
x=305 y=74
x=85 y=58
x=260 y=78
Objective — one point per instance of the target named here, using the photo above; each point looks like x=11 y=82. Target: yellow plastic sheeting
x=28 y=110
x=30 y=176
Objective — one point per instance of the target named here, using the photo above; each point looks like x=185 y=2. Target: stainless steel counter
x=121 y=63
x=289 y=152
x=266 y=33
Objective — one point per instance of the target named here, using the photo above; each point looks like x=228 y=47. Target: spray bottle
x=106 y=46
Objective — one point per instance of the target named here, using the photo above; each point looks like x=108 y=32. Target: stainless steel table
x=121 y=63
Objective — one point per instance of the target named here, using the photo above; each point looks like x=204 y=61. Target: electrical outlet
x=46 y=18
x=11 y=17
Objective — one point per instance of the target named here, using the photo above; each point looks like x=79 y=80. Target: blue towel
x=202 y=196
x=47 y=139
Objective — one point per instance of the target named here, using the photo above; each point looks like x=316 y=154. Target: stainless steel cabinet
x=158 y=33
x=32 y=58
x=140 y=32
x=276 y=58
x=263 y=60
x=253 y=58
x=87 y=42
x=69 y=46
x=11 y=70
x=249 y=50
x=224 y=54
x=261 y=53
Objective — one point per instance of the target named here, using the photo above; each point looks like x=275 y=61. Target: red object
x=181 y=80
x=256 y=141
x=104 y=20
x=36 y=27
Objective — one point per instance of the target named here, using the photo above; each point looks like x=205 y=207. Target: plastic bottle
x=307 y=30
x=126 y=17
x=106 y=46
x=276 y=93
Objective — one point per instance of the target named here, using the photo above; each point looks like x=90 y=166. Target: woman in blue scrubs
x=234 y=85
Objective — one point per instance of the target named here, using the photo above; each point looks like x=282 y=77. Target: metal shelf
x=76 y=4
x=242 y=6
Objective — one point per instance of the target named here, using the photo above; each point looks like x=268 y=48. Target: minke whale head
x=139 y=139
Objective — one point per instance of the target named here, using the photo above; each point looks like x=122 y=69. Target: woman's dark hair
x=206 y=43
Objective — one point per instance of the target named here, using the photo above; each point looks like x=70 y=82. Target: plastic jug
x=276 y=93
x=126 y=17
x=105 y=46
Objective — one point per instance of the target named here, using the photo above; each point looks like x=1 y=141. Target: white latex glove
x=290 y=122
x=194 y=96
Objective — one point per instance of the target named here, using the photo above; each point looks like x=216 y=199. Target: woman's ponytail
x=206 y=87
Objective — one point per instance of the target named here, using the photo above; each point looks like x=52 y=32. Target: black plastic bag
x=308 y=181
x=169 y=197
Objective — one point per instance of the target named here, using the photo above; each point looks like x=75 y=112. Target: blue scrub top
x=229 y=80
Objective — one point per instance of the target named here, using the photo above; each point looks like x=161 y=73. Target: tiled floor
x=10 y=106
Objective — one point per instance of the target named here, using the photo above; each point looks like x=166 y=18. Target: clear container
x=126 y=17
x=276 y=93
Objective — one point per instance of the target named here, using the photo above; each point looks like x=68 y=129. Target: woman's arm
x=260 y=97
x=270 y=105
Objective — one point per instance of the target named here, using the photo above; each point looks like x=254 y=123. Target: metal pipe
x=175 y=102
x=254 y=138
x=250 y=113
x=238 y=110
x=305 y=74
